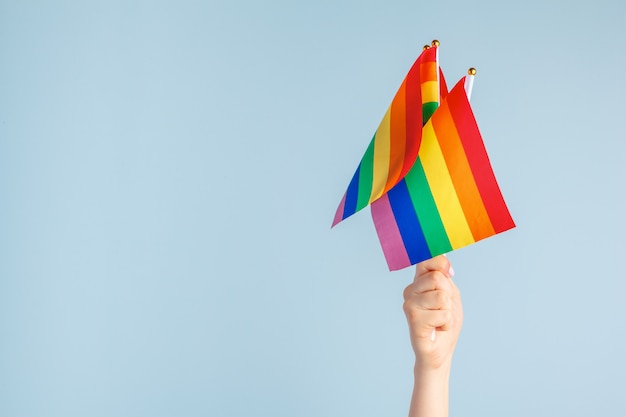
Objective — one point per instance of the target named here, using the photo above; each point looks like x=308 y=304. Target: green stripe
x=366 y=176
x=428 y=109
x=426 y=209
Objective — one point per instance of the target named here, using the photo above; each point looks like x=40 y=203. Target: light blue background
x=169 y=172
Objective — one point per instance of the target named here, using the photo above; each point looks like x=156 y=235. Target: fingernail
x=451 y=271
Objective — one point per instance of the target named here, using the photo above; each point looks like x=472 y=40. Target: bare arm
x=432 y=302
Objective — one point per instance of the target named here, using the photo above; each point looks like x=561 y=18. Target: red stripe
x=479 y=160
x=443 y=87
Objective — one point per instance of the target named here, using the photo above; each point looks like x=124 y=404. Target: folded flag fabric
x=394 y=147
x=426 y=173
x=450 y=198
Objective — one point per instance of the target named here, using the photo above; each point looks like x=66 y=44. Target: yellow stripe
x=382 y=148
x=430 y=92
x=443 y=191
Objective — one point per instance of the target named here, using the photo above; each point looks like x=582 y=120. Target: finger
x=431 y=300
x=437 y=319
x=430 y=281
x=438 y=263
x=424 y=318
x=456 y=293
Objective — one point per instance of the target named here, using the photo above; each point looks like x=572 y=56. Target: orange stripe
x=397 y=137
x=461 y=174
x=428 y=71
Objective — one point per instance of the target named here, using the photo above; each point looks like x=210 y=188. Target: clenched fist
x=432 y=304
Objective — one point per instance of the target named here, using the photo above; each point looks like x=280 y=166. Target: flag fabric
x=449 y=198
x=394 y=147
x=426 y=173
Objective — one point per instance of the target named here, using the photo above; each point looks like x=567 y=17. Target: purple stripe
x=339 y=213
x=389 y=234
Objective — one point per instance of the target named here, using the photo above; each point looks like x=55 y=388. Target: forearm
x=430 y=392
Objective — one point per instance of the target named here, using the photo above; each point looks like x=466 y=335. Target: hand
x=432 y=301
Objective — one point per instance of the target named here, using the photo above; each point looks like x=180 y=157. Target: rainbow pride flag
x=394 y=147
x=428 y=179
x=450 y=198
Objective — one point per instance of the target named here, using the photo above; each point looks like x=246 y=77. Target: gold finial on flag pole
x=435 y=42
x=426 y=47
x=469 y=81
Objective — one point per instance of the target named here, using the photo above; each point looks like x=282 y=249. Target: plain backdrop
x=169 y=171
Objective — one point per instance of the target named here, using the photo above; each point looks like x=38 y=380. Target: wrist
x=441 y=372
x=431 y=362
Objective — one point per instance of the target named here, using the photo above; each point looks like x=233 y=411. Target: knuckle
x=407 y=292
x=431 y=280
x=412 y=313
x=407 y=307
x=445 y=300
x=441 y=275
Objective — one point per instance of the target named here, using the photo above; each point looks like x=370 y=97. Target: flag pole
x=469 y=81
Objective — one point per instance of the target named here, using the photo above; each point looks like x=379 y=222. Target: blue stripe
x=352 y=195
x=408 y=223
